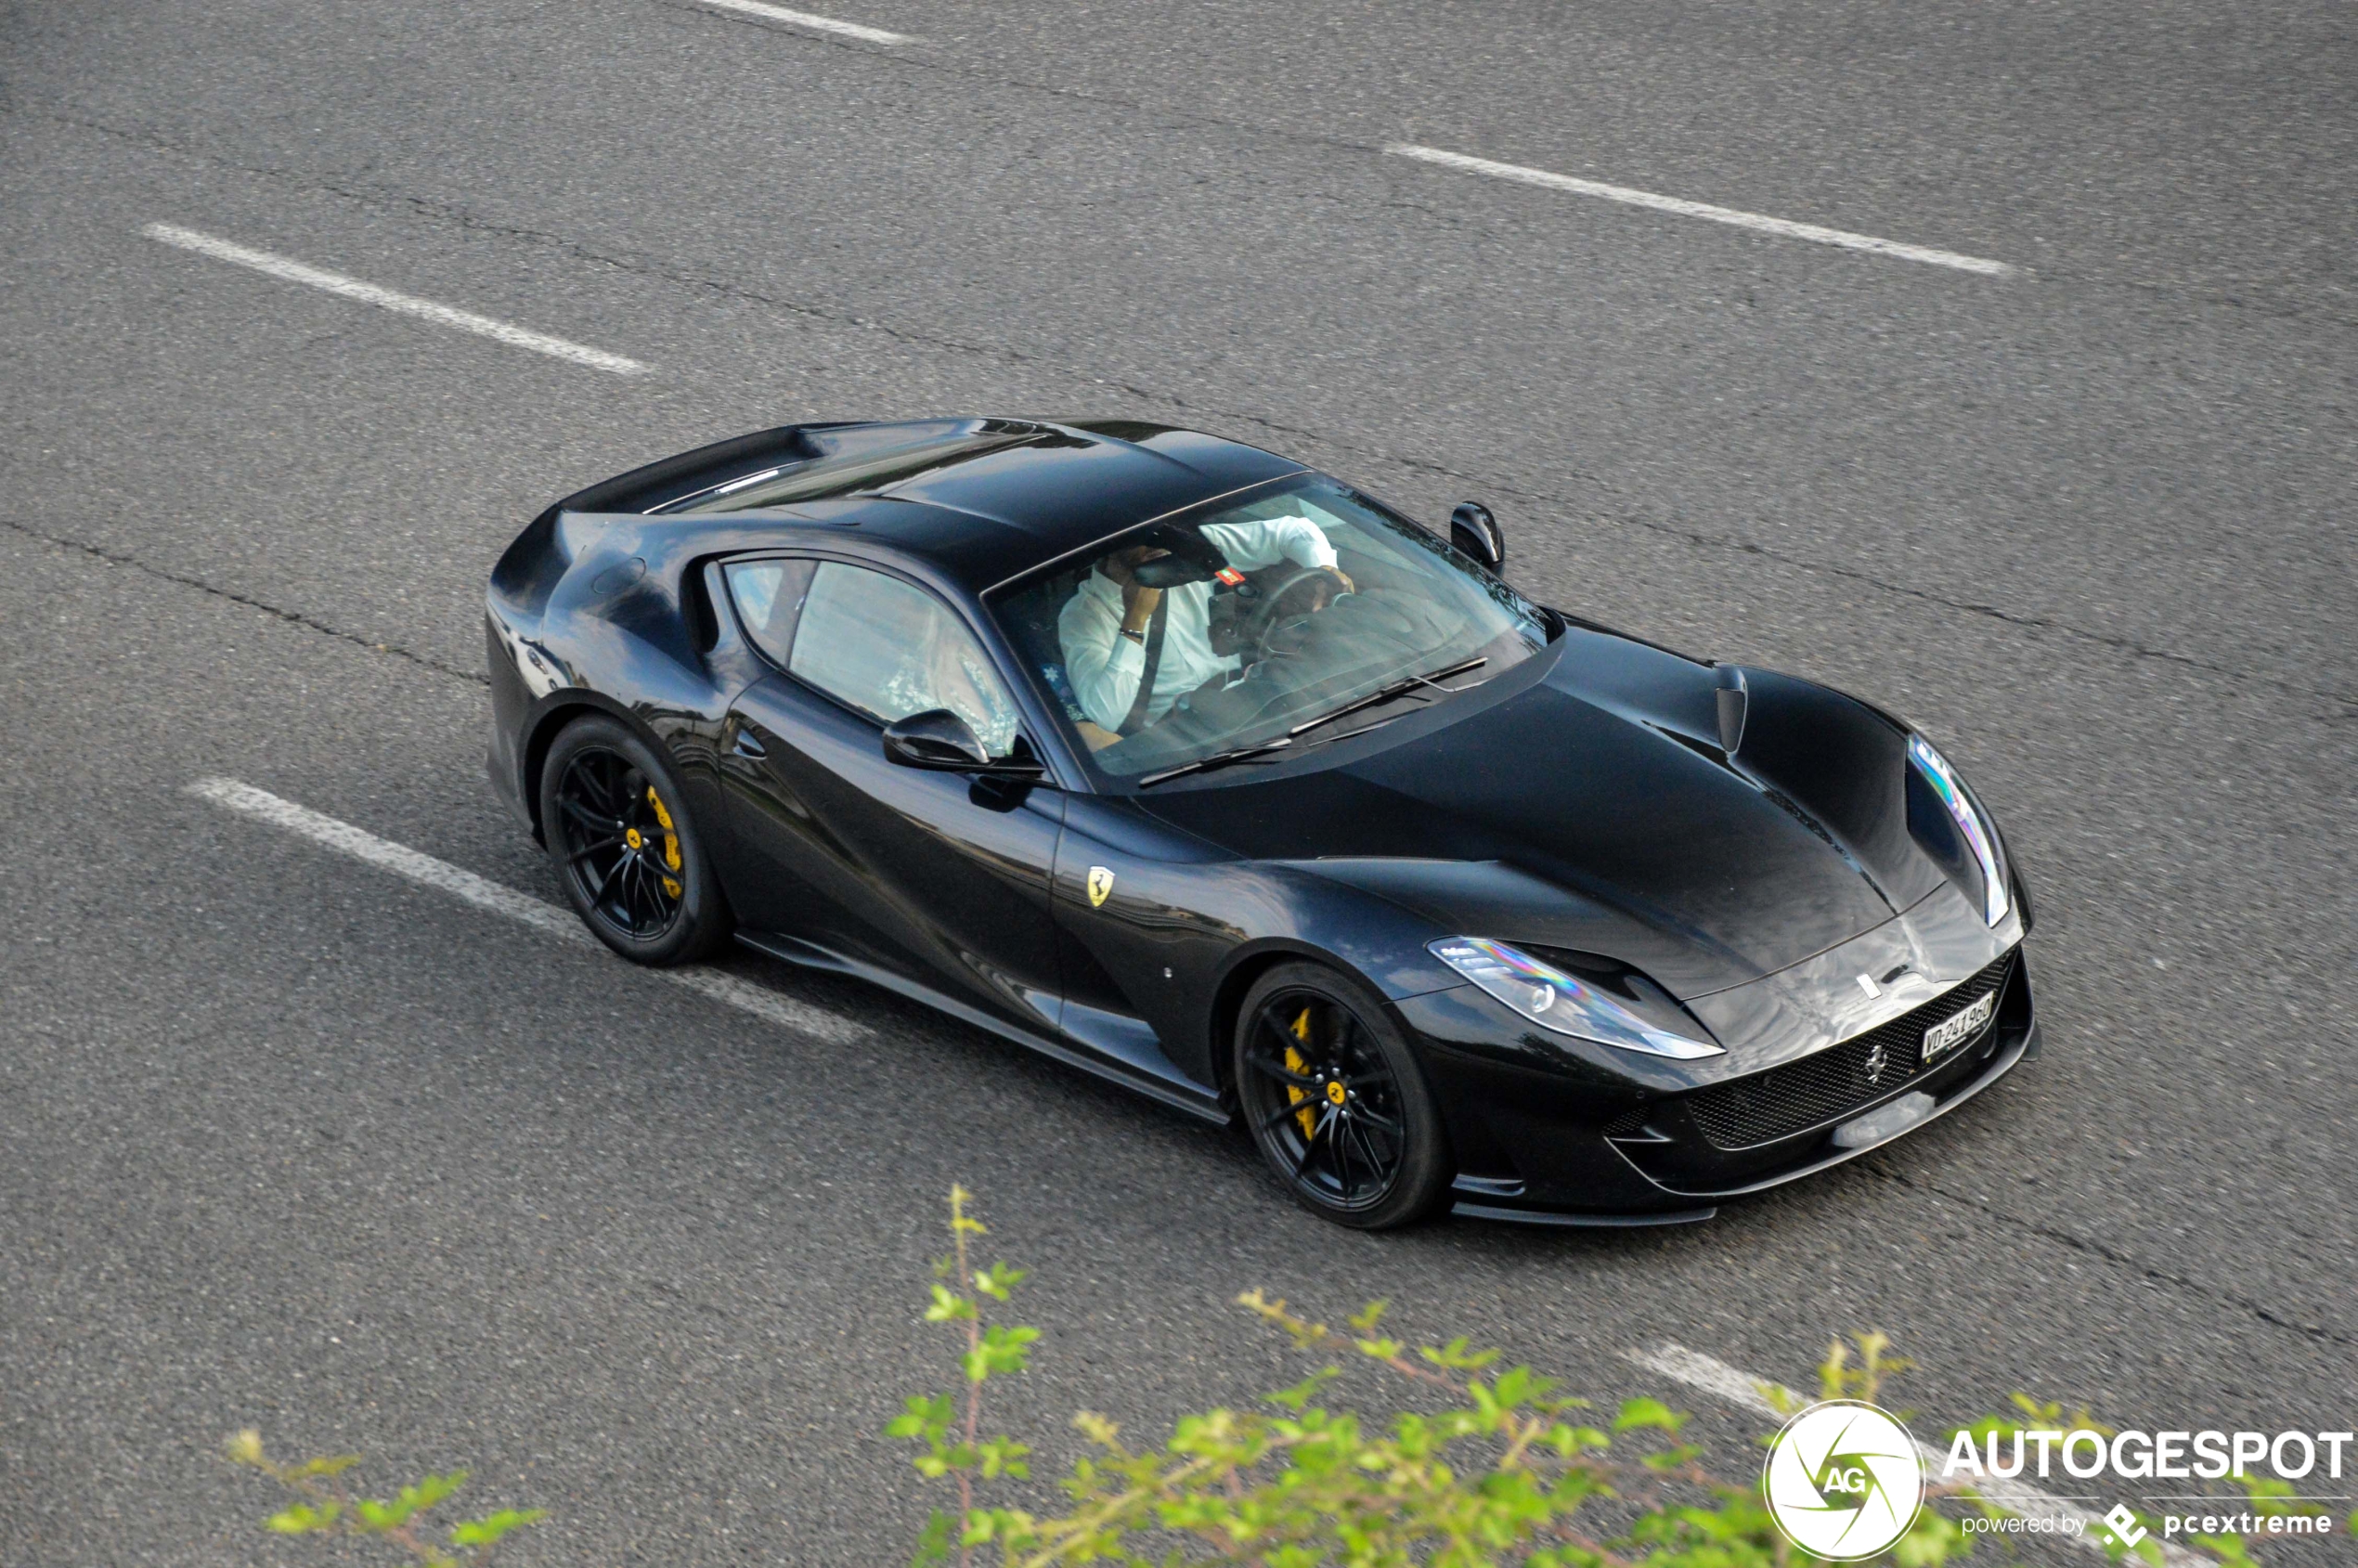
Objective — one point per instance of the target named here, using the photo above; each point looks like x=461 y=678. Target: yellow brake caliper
x=1296 y=1063
x=670 y=840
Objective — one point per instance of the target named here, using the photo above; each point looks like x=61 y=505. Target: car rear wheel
x=1336 y=1101
x=631 y=861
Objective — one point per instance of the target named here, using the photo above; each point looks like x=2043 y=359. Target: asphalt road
x=287 y=1141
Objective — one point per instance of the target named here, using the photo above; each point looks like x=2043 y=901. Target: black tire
x=1335 y=1099
x=631 y=860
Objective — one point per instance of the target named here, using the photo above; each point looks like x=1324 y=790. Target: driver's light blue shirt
x=1104 y=666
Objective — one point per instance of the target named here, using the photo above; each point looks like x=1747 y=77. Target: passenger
x=941 y=667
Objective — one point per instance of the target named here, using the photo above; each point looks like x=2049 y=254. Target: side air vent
x=1735 y=702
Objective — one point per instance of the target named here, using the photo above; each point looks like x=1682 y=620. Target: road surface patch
x=547 y=918
x=406 y=304
x=1783 y=227
x=804 y=18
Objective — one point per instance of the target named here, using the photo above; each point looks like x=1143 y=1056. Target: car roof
x=983 y=500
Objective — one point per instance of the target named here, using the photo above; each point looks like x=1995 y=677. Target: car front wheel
x=1336 y=1101
x=631 y=861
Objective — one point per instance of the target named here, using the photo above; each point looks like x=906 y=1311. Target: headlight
x=1979 y=841
x=1554 y=1000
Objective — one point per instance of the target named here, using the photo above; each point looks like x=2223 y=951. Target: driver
x=1113 y=628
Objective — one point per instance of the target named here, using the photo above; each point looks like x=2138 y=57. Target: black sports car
x=1202 y=770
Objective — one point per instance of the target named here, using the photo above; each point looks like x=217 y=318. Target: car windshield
x=1237 y=627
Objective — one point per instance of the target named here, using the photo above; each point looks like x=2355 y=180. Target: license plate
x=1954 y=1031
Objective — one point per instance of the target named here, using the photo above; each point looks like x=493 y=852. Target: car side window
x=769 y=597
x=890 y=650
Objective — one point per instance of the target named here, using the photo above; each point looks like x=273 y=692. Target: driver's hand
x=1138 y=605
x=1327 y=594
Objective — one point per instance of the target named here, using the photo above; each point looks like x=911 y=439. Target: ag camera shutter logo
x=1843 y=1480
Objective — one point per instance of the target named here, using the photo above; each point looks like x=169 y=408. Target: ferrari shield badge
x=1100 y=885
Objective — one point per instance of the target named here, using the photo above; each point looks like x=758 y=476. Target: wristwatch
x=1137 y=637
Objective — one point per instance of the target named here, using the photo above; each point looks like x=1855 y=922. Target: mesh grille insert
x=1785 y=1100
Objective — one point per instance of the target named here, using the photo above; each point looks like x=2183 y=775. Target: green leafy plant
x=950 y=1429
x=1470 y=1463
x=324 y=1505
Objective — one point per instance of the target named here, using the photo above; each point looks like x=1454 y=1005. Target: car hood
x=1581 y=806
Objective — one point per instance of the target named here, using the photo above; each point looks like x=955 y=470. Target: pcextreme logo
x=1843 y=1480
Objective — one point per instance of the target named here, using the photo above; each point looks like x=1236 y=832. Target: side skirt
x=810 y=955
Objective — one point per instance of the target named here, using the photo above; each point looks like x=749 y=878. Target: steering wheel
x=1274 y=623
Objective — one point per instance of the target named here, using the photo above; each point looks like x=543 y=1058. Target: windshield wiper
x=1382 y=694
x=1218 y=759
x=1387 y=693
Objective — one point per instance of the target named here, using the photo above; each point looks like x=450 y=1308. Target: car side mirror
x=1473 y=530
x=940 y=742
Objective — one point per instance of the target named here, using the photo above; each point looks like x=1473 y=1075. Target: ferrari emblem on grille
x=1877 y=1059
x=1100 y=885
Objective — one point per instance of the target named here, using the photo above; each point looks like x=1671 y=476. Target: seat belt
x=1136 y=718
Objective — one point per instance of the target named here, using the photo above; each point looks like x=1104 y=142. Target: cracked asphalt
x=288 y=1142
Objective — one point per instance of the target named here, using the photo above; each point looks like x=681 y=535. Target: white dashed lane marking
x=1782 y=227
x=386 y=299
x=817 y=24
x=1763 y=1396
x=547 y=918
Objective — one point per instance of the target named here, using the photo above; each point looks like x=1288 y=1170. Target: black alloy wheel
x=632 y=865
x=1335 y=1101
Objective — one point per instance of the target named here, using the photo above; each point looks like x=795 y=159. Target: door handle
x=749 y=745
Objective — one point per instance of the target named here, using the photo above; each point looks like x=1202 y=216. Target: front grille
x=1785 y=1100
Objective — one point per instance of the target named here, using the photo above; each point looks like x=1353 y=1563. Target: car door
x=936 y=878
x=1141 y=949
